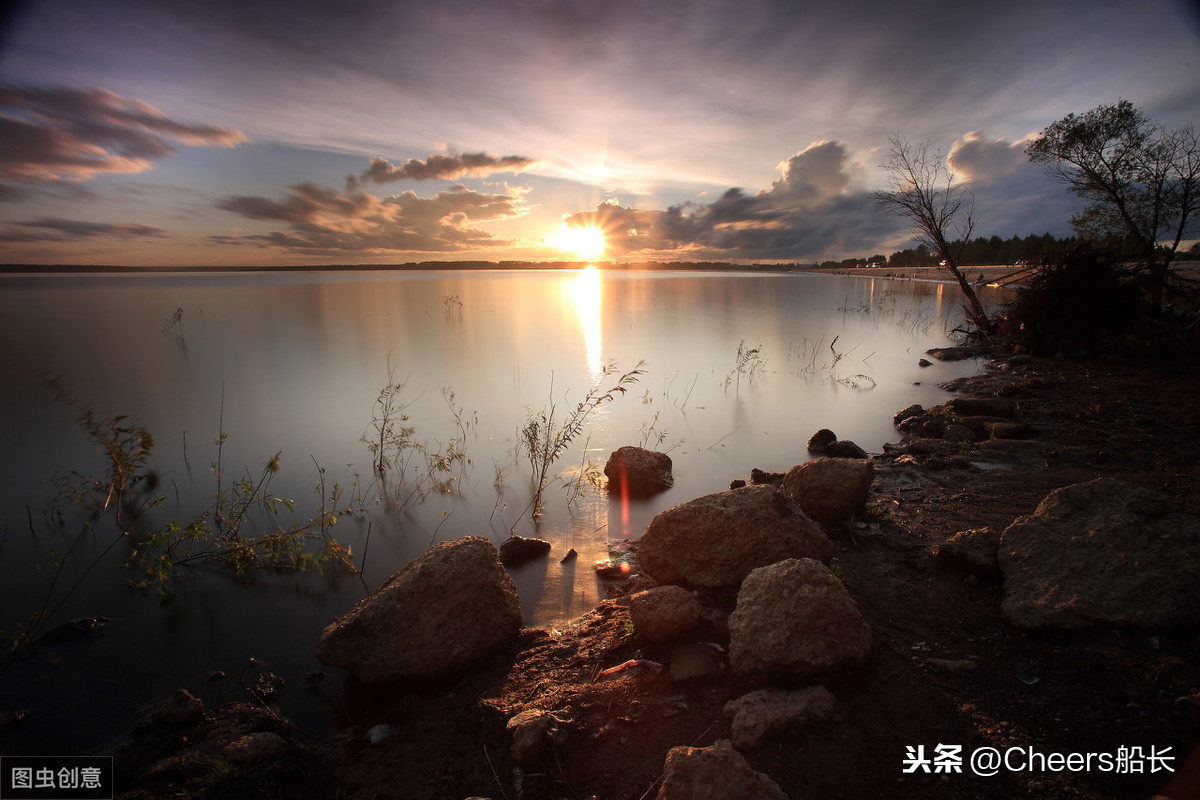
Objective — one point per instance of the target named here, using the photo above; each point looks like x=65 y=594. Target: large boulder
x=715 y=541
x=449 y=608
x=795 y=621
x=638 y=472
x=830 y=489
x=665 y=613
x=714 y=773
x=1102 y=552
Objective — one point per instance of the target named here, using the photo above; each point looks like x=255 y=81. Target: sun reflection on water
x=586 y=293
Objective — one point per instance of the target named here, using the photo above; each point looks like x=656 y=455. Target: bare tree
x=941 y=212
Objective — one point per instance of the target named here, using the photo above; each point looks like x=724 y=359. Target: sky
x=190 y=132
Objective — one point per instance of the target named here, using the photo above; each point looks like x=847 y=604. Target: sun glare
x=585 y=243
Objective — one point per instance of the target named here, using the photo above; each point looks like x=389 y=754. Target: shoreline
x=945 y=667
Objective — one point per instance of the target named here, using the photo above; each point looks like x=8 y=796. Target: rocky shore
x=1015 y=572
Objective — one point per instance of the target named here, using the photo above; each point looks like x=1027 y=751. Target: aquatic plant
x=749 y=362
x=544 y=438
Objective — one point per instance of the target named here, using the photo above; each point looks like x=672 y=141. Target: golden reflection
x=586 y=292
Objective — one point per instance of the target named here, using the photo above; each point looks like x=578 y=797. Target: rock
x=665 y=613
x=974 y=550
x=759 y=714
x=958 y=433
x=182 y=708
x=571 y=555
x=845 y=449
x=518 y=550
x=1010 y=430
x=795 y=621
x=907 y=413
x=924 y=362
x=925 y=426
x=954 y=353
x=819 y=441
x=737 y=483
x=1103 y=552
x=715 y=541
x=452 y=606
x=531 y=730
x=830 y=489
x=714 y=773
x=638 y=471
x=758 y=476
x=256 y=748
x=983 y=406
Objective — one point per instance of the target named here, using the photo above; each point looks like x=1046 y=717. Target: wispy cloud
x=60 y=133
x=445 y=166
x=66 y=230
x=321 y=220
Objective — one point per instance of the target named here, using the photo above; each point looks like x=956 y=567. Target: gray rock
x=795 y=621
x=665 y=613
x=451 y=607
x=715 y=541
x=518 y=550
x=638 y=471
x=1102 y=552
x=714 y=773
x=767 y=711
x=830 y=489
x=974 y=550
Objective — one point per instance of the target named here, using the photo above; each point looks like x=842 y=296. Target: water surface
x=294 y=362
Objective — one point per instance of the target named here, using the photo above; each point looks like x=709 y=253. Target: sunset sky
x=178 y=132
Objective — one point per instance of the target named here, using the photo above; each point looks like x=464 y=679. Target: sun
x=586 y=243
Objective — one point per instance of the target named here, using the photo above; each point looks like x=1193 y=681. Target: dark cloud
x=810 y=212
x=444 y=166
x=1012 y=195
x=322 y=221
x=58 y=133
x=52 y=229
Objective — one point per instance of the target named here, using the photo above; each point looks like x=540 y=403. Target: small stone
x=517 y=550
x=571 y=555
x=819 y=442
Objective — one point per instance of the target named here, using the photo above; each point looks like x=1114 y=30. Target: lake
x=294 y=364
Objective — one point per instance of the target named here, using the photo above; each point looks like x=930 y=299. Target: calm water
x=293 y=363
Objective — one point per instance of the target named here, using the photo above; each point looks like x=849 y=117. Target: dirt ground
x=945 y=668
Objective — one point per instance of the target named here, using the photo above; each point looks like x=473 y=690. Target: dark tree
x=1142 y=181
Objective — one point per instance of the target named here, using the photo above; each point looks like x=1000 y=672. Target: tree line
x=981 y=251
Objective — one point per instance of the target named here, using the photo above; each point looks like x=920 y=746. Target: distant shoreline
x=647 y=266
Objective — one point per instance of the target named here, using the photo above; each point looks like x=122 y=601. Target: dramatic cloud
x=975 y=158
x=809 y=212
x=322 y=221
x=66 y=230
x=1012 y=195
x=75 y=134
x=446 y=167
